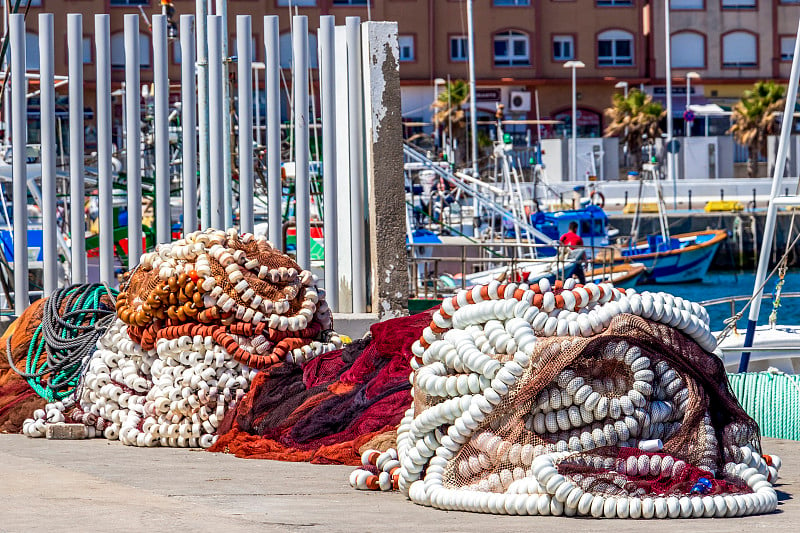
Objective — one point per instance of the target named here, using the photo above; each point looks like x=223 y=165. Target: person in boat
x=573 y=240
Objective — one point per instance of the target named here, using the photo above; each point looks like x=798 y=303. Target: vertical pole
x=301 y=180
x=48 y=106
x=327 y=91
x=188 y=124
x=245 y=83
x=77 y=222
x=202 y=108
x=272 y=94
x=573 y=168
x=357 y=194
x=473 y=111
x=344 y=284
x=105 y=186
x=257 y=99
x=19 y=142
x=772 y=210
x=688 y=103
x=215 y=112
x=161 y=126
x=668 y=59
x=222 y=12
x=133 y=135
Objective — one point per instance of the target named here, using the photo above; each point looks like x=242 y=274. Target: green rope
x=62 y=345
x=772 y=399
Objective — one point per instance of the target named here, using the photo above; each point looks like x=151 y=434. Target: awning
x=709 y=110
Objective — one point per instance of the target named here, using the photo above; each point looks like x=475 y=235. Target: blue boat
x=678 y=259
x=592 y=226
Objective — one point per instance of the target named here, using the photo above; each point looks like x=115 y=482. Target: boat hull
x=681 y=265
x=777 y=347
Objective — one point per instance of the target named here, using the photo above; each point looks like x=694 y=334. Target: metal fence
x=205 y=157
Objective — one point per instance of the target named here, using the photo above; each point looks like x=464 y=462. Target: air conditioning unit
x=520 y=101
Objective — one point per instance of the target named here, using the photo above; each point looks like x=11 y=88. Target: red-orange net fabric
x=332 y=407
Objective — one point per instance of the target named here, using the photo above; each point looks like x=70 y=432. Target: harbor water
x=721 y=284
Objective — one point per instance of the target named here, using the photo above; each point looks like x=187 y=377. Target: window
x=686 y=4
x=299 y=3
x=739 y=50
x=738 y=4
x=458 y=48
x=88 y=48
x=614 y=48
x=511 y=49
x=31 y=51
x=285 y=44
x=512 y=2
x=614 y=2
x=787 y=48
x=406 y=43
x=118 y=50
x=350 y=2
x=688 y=50
x=130 y=2
x=563 y=47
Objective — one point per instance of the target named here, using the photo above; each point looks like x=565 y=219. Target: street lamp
x=574 y=163
x=436 y=83
x=689 y=77
x=622 y=85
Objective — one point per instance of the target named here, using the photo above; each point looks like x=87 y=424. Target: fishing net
x=576 y=400
x=331 y=408
x=195 y=322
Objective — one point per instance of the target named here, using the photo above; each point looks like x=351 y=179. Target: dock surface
x=98 y=485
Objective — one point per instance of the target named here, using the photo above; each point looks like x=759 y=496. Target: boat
x=678 y=259
x=623 y=276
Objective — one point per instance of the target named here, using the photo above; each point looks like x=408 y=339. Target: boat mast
x=473 y=118
x=772 y=209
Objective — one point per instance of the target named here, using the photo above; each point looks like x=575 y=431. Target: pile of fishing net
x=334 y=406
x=194 y=323
x=574 y=400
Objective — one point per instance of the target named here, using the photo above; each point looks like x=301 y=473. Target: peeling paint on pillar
x=384 y=153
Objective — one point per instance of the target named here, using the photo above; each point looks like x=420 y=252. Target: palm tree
x=755 y=117
x=635 y=119
x=449 y=112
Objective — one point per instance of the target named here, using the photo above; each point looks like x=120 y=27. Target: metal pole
x=19 y=142
x=202 y=97
x=473 y=112
x=133 y=135
x=257 y=98
x=105 y=183
x=222 y=12
x=48 y=107
x=688 y=103
x=772 y=210
x=357 y=192
x=215 y=112
x=161 y=126
x=573 y=170
x=245 y=84
x=272 y=94
x=670 y=155
x=76 y=178
x=301 y=180
x=327 y=91
x=188 y=124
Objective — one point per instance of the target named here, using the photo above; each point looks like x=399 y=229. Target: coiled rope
x=69 y=340
x=772 y=399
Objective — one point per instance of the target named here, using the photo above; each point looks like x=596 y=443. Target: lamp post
x=670 y=155
x=689 y=77
x=622 y=85
x=574 y=163
x=436 y=83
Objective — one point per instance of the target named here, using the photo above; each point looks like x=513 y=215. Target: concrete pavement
x=99 y=485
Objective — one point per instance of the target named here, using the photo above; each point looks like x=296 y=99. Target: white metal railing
x=203 y=112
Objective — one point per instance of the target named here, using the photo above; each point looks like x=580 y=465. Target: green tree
x=635 y=119
x=449 y=113
x=755 y=117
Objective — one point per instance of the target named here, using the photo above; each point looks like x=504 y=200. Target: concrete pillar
x=384 y=151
